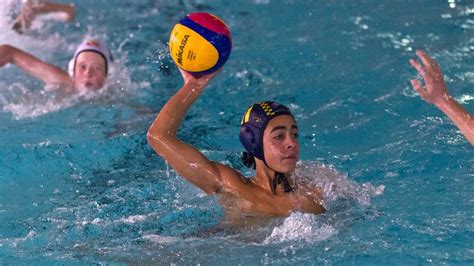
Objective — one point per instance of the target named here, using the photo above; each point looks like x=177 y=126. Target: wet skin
x=280 y=144
x=89 y=71
x=238 y=195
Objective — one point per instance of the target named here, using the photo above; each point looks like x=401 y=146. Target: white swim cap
x=91 y=46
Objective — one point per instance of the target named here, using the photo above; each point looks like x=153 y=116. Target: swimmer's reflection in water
x=88 y=69
x=268 y=132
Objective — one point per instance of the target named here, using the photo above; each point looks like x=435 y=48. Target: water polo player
x=435 y=91
x=88 y=69
x=269 y=134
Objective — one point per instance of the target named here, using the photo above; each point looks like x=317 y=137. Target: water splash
x=23 y=103
x=6 y=18
x=15 y=241
x=335 y=184
x=38 y=43
x=22 y=99
x=18 y=96
x=161 y=239
x=301 y=226
x=337 y=187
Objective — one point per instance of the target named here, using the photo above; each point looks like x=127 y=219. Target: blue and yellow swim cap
x=255 y=121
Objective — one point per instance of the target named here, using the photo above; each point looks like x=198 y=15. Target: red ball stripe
x=210 y=22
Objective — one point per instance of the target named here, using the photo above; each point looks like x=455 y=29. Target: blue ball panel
x=219 y=41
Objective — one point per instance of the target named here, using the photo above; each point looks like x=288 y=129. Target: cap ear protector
x=254 y=122
x=249 y=137
x=252 y=126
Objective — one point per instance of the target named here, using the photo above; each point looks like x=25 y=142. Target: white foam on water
x=15 y=97
x=336 y=185
x=160 y=239
x=30 y=102
x=6 y=18
x=35 y=45
x=309 y=227
x=34 y=104
x=300 y=226
x=133 y=219
x=23 y=100
x=13 y=242
x=465 y=98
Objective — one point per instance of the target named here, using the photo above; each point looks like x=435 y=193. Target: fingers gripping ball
x=200 y=43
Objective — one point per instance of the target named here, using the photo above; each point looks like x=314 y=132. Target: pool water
x=79 y=183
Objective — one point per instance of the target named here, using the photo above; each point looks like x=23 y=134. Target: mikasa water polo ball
x=200 y=43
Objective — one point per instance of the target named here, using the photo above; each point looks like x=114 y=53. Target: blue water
x=79 y=184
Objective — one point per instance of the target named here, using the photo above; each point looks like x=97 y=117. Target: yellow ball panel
x=190 y=51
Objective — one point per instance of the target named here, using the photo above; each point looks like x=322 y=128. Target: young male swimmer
x=269 y=134
x=88 y=68
x=436 y=92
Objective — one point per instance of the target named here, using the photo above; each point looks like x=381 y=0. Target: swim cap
x=91 y=46
x=253 y=124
